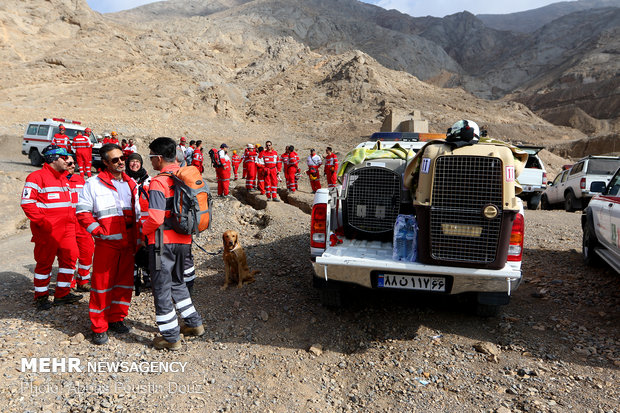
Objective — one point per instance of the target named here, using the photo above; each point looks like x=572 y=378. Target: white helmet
x=464 y=130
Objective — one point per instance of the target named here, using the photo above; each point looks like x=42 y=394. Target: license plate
x=411 y=282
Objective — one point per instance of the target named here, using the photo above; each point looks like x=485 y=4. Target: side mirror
x=550 y=183
x=597 y=186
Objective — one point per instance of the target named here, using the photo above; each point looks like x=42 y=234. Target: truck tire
x=570 y=202
x=589 y=244
x=544 y=203
x=35 y=157
x=533 y=202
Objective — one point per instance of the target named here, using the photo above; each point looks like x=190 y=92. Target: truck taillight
x=544 y=178
x=318 y=226
x=582 y=184
x=515 y=248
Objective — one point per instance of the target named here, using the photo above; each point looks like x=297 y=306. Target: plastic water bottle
x=399 y=249
x=412 y=240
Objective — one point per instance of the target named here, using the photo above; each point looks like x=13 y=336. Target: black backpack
x=216 y=162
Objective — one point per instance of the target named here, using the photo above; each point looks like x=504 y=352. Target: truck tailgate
x=357 y=261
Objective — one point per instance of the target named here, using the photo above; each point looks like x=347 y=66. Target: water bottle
x=412 y=240
x=400 y=239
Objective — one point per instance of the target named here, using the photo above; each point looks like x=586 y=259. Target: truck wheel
x=487 y=310
x=544 y=203
x=35 y=158
x=589 y=244
x=569 y=202
x=331 y=296
x=533 y=202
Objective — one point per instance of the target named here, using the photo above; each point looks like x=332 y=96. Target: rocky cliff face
x=313 y=69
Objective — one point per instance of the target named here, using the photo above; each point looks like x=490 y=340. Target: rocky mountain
x=460 y=50
x=246 y=70
x=532 y=20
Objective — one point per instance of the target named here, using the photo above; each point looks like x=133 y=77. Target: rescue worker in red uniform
x=260 y=171
x=83 y=152
x=85 y=243
x=223 y=172
x=272 y=167
x=109 y=209
x=284 y=161
x=314 y=162
x=169 y=254
x=61 y=140
x=236 y=161
x=198 y=158
x=46 y=201
x=292 y=168
x=113 y=138
x=249 y=163
x=331 y=168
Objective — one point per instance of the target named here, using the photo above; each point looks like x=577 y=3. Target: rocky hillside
x=532 y=20
x=312 y=70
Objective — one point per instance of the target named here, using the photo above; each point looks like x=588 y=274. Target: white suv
x=40 y=134
x=601 y=225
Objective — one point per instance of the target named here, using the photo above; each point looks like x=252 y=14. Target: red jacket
x=197 y=160
x=46 y=201
x=62 y=140
x=272 y=160
x=81 y=143
x=161 y=192
x=249 y=156
x=293 y=160
x=99 y=211
x=236 y=160
x=331 y=163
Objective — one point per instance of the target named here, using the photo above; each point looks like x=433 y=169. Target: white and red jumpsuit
x=46 y=201
x=331 y=170
x=236 y=161
x=61 y=140
x=198 y=160
x=109 y=209
x=223 y=174
x=249 y=163
x=291 y=170
x=83 y=154
x=85 y=242
x=272 y=167
x=260 y=173
x=314 y=162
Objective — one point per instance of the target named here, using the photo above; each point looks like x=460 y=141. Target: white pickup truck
x=533 y=178
x=471 y=224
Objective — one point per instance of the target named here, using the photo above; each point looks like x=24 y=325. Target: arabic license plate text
x=411 y=282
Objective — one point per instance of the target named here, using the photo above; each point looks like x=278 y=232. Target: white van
x=40 y=134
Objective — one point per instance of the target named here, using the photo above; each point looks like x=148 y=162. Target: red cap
x=183 y=139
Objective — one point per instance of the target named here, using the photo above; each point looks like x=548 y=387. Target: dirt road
x=270 y=346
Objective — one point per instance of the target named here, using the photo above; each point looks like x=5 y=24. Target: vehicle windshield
x=603 y=166
x=614 y=185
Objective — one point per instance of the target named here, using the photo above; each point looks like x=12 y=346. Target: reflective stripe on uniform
x=66 y=270
x=61 y=284
x=169 y=326
x=121 y=303
x=40 y=289
x=92 y=310
x=92 y=226
x=41 y=276
x=189 y=270
x=184 y=303
x=165 y=317
x=188 y=312
x=54 y=205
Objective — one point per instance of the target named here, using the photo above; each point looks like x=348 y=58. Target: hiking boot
x=193 y=331
x=83 y=288
x=43 y=303
x=161 y=343
x=275 y=199
x=118 y=327
x=67 y=299
x=100 y=338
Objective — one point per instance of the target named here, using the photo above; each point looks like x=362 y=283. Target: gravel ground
x=271 y=346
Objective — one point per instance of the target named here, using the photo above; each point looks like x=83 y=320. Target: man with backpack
x=169 y=252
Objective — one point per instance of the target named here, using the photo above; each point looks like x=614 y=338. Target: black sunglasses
x=118 y=159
